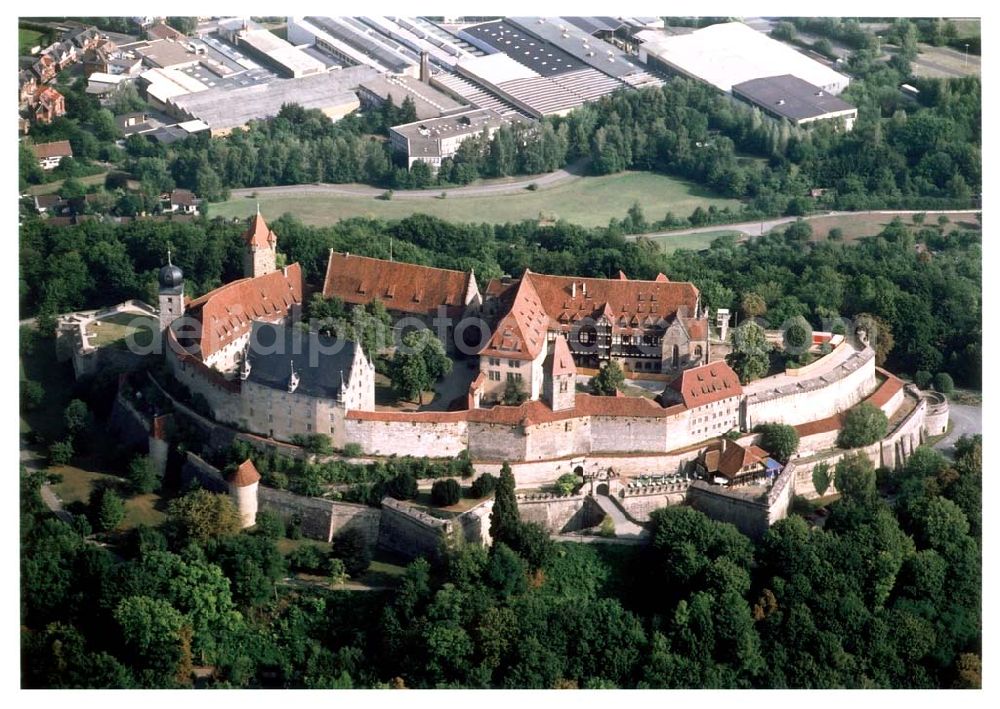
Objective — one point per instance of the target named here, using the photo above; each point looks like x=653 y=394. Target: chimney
x=425 y=68
x=573 y=290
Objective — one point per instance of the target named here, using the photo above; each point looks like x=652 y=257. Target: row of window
x=495 y=362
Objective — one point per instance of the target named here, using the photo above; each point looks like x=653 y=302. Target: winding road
x=760 y=227
x=570 y=173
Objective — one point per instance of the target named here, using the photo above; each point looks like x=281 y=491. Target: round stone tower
x=243 y=487
x=171 y=293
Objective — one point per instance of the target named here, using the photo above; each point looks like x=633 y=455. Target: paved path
x=568 y=174
x=624 y=527
x=33 y=462
x=758 y=228
x=965 y=421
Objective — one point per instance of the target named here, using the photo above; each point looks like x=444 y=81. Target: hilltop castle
x=538 y=329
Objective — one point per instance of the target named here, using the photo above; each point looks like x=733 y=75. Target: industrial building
x=428 y=101
x=434 y=140
x=591 y=51
x=354 y=43
x=732 y=53
x=223 y=110
x=271 y=49
x=797 y=101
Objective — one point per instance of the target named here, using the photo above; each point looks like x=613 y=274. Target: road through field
x=757 y=228
x=571 y=172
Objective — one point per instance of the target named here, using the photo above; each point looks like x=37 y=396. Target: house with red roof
x=645 y=326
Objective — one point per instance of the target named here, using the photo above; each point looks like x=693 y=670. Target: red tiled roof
x=530 y=412
x=52 y=150
x=880 y=397
x=227 y=312
x=403 y=287
x=697 y=329
x=729 y=457
x=259 y=234
x=884 y=393
x=707 y=384
x=164 y=31
x=48 y=95
x=659 y=299
x=561 y=358
x=245 y=475
x=521 y=333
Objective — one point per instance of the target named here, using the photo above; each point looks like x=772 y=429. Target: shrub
x=779 y=440
x=109 y=510
x=61 y=452
x=484 y=485
x=944 y=383
x=607 y=528
x=338 y=573
x=352 y=450
x=922 y=379
x=308 y=558
x=32 y=394
x=351 y=547
x=863 y=425
x=532 y=187
x=445 y=492
x=822 y=478
x=567 y=483
x=402 y=487
x=141 y=475
x=270 y=525
x=836 y=234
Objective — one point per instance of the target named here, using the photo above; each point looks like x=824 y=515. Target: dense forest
x=883 y=595
x=928 y=302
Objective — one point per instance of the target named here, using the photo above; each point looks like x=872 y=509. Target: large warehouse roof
x=222 y=109
x=732 y=53
x=791 y=97
x=574 y=41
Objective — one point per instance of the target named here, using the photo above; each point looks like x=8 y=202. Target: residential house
x=180 y=202
x=161 y=30
x=726 y=462
x=84 y=39
x=51 y=204
x=27 y=85
x=45 y=68
x=49 y=104
x=51 y=154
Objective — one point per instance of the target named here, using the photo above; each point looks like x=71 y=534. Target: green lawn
x=589 y=201
x=51 y=187
x=77 y=484
x=695 y=242
x=115 y=328
x=26 y=39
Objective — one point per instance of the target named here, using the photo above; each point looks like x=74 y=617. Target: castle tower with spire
x=260 y=248
x=171 y=293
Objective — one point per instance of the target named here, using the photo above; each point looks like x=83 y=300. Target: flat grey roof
x=534 y=53
x=791 y=97
x=425 y=137
x=574 y=41
x=428 y=101
x=355 y=34
x=222 y=108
